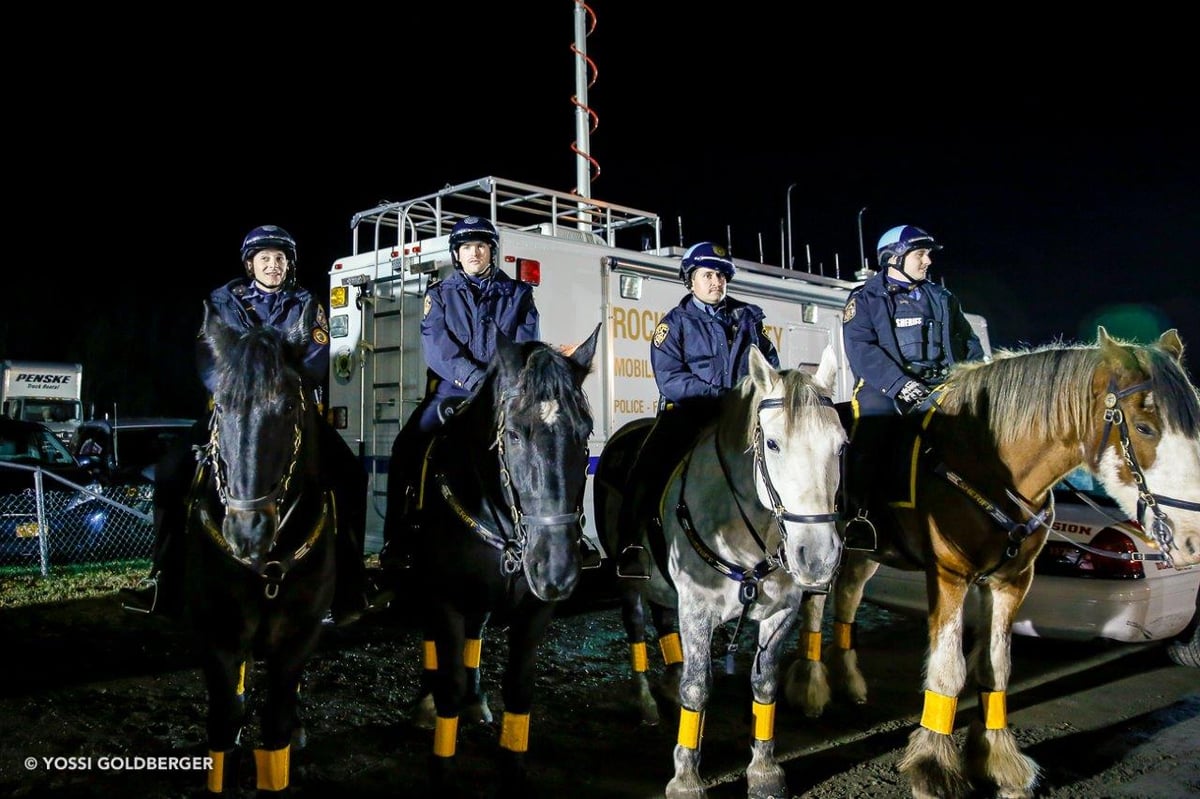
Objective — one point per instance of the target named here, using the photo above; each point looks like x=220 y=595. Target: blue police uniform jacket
x=893 y=335
x=697 y=354
x=458 y=329
x=242 y=305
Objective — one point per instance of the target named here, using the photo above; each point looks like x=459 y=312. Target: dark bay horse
x=500 y=526
x=260 y=545
x=975 y=508
x=748 y=528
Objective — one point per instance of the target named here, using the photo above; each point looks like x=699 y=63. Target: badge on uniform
x=322 y=320
x=428 y=305
x=320 y=336
x=660 y=334
x=848 y=312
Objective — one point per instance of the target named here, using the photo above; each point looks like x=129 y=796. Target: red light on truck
x=529 y=271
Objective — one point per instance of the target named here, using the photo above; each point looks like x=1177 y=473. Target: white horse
x=751 y=529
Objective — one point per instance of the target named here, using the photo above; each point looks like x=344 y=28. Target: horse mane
x=1046 y=391
x=252 y=366
x=799 y=393
x=548 y=376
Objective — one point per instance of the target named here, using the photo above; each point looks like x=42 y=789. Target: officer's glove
x=911 y=396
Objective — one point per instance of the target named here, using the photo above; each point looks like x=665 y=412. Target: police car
x=1080 y=592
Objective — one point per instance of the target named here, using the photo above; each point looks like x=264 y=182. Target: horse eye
x=771 y=445
x=1144 y=429
x=512 y=435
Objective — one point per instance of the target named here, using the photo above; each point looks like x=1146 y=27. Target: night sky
x=1062 y=182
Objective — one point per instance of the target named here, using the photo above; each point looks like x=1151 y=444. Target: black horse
x=260 y=557
x=500 y=525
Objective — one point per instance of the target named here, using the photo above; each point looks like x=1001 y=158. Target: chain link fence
x=57 y=523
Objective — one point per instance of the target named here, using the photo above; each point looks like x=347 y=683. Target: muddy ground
x=85 y=680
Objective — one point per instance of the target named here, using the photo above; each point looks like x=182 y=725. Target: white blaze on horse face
x=549 y=411
x=1175 y=473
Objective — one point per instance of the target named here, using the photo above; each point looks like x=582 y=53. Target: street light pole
x=791 y=252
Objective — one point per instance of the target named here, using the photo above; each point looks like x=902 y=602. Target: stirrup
x=632 y=552
x=142 y=587
x=857 y=538
x=589 y=556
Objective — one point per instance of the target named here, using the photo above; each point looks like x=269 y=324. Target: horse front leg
x=450 y=686
x=517 y=690
x=475 y=707
x=633 y=618
x=225 y=681
x=764 y=776
x=280 y=716
x=806 y=683
x=842 y=657
x=991 y=751
x=931 y=761
x=695 y=685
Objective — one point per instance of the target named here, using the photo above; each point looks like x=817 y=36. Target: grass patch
x=19 y=587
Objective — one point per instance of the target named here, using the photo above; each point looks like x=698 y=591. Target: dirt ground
x=85 y=680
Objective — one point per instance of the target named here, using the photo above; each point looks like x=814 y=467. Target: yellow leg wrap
x=514 y=732
x=764 y=721
x=812 y=645
x=993 y=705
x=691 y=728
x=672 y=648
x=843 y=635
x=241 y=686
x=472 y=653
x=430 y=656
x=271 y=767
x=216 y=772
x=939 y=712
x=445 y=737
x=637 y=654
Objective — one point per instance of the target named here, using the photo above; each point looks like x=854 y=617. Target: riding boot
x=161 y=593
x=861 y=477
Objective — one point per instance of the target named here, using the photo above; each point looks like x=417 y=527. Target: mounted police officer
x=700 y=350
x=267 y=295
x=462 y=315
x=901 y=334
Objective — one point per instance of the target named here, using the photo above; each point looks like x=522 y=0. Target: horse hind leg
x=842 y=657
x=806 y=683
x=475 y=708
x=666 y=624
x=991 y=751
x=633 y=617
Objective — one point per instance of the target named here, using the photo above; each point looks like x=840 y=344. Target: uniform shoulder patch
x=428 y=305
x=660 y=333
x=850 y=309
x=322 y=319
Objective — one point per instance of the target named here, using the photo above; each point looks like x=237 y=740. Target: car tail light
x=1064 y=559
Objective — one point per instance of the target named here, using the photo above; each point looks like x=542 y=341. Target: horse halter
x=513 y=550
x=1113 y=415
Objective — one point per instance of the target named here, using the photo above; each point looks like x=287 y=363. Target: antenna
x=862 y=255
x=791 y=255
x=587 y=168
x=729 y=239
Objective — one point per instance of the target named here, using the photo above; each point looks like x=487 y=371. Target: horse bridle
x=512 y=549
x=750 y=577
x=1113 y=415
x=273 y=571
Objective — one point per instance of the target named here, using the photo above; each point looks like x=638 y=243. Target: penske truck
x=40 y=391
x=591 y=262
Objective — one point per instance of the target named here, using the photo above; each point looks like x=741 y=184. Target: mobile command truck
x=37 y=391
x=591 y=262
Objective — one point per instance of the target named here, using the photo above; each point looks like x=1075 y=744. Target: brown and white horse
x=975 y=509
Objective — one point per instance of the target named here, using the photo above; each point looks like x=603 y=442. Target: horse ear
x=215 y=333
x=508 y=352
x=583 y=353
x=1112 y=351
x=826 y=371
x=761 y=371
x=1172 y=343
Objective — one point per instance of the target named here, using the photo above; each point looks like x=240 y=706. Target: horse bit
x=1113 y=415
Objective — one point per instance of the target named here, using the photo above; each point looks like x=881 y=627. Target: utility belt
x=927 y=372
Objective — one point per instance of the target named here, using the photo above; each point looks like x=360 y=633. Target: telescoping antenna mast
x=587 y=168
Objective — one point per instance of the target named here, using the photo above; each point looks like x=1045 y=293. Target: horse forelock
x=254 y=370
x=799 y=394
x=1177 y=399
x=545 y=390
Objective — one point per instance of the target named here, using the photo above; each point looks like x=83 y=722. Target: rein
x=1113 y=415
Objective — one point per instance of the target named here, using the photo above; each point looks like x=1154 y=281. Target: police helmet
x=706 y=255
x=270 y=237
x=899 y=242
x=473 y=228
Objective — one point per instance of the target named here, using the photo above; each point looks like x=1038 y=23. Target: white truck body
x=38 y=391
x=377 y=373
